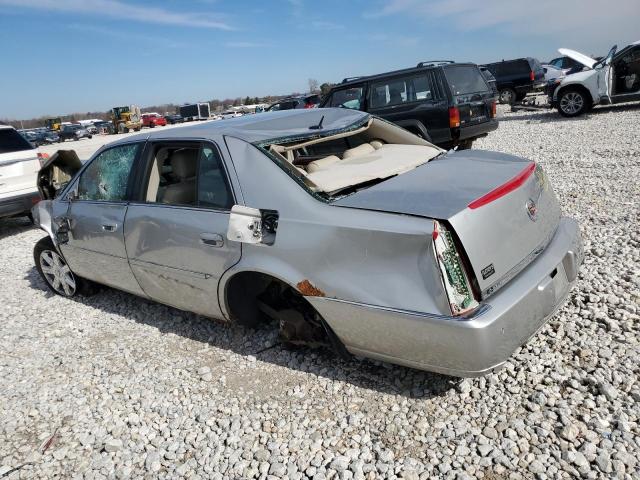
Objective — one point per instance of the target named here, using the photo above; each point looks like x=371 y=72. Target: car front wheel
x=572 y=103
x=56 y=273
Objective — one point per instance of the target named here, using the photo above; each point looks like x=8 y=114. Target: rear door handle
x=212 y=239
x=109 y=227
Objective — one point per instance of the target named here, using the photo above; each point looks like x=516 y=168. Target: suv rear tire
x=507 y=96
x=572 y=102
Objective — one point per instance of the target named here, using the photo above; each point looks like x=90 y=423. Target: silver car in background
x=345 y=229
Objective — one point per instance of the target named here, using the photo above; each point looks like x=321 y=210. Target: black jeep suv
x=516 y=78
x=447 y=103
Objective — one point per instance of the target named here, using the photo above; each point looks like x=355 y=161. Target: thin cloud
x=566 y=19
x=121 y=10
x=323 y=25
x=108 y=32
x=246 y=45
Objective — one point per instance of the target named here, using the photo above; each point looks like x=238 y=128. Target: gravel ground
x=113 y=386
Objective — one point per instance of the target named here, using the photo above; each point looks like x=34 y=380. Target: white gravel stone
x=133 y=389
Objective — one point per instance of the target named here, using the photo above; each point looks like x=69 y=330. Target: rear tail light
x=454 y=117
x=452 y=273
x=309 y=105
x=532 y=76
x=35 y=200
x=493 y=110
x=42 y=158
x=505 y=188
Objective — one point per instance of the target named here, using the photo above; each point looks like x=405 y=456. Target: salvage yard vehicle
x=613 y=79
x=73 y=132
x=517 y=78
x=447 y=103
x=54 y=124
x=126 y=118
x=19 y=165
x=195 y=111
x=301 y=101
x=346 y=229
x=173 y=118
x=152 y=120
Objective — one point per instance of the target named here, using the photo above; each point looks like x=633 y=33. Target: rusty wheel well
x=253 y=298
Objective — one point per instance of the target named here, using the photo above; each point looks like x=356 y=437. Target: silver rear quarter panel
x=458 y=346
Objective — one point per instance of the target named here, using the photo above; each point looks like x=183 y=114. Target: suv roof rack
x=433 y=63
x=349 y=79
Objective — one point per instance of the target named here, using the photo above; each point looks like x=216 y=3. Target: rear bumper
x=20 y=203
x=479 y=130
x=471 y=346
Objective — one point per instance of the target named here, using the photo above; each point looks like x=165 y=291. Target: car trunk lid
x=500 y=207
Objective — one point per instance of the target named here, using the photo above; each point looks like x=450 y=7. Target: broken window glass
x=107 y=176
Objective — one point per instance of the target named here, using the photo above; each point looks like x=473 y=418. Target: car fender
x=43 y=218
x=586 y=79
x=417 y=124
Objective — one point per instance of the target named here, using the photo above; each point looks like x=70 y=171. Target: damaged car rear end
x=464 y=255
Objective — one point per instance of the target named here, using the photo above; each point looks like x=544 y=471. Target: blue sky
x=63 y=56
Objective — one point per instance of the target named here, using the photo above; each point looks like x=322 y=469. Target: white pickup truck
x=614 y=79
x=19 y=165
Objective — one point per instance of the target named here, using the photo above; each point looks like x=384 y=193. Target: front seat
x=183 y=165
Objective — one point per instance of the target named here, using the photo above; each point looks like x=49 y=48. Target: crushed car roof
x=263 y=126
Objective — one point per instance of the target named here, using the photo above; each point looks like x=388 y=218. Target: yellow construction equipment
x=54 y=123
x=126 y=118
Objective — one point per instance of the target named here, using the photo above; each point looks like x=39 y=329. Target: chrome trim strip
x=470 y=315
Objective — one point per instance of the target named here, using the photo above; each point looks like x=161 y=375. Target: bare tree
x=313 y=85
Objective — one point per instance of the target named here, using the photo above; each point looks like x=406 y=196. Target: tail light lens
x=493 y=110
x=454 y=276
x=505 y=188
x=309 y=105
x=532 y=76
x=42 y=158
x=454 y=117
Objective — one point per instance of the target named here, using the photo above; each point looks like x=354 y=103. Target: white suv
x=19 y=166
x=614 y=79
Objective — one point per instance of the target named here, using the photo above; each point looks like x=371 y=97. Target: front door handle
x=109 y=227
x=212 y=239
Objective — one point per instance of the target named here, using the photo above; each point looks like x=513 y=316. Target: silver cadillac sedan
x=345 y=229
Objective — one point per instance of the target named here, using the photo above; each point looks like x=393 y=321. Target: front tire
x=56 y=273
x=572 y=103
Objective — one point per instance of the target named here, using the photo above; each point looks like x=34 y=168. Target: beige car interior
x=380 y=150
x=173 y=177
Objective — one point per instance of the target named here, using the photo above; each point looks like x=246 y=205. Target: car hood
x=578 y=57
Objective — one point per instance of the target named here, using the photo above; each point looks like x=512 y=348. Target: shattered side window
x=107 y=176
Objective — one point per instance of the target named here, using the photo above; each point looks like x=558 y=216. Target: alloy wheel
x=57 y=273
x=571 y=103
